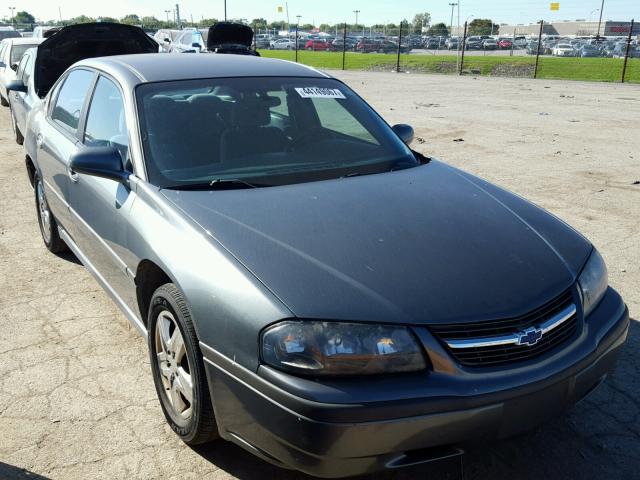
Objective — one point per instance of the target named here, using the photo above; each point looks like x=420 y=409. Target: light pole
x=167 y=12
x=225 y=10
x=600 y=21
x=356 y=12
x=452 y=5
x=591 y=14
x=13 y=15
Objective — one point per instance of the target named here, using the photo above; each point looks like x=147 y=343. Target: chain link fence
x=513 y=54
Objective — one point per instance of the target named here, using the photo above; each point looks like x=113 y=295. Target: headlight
x=593 y=282
x=332 y=348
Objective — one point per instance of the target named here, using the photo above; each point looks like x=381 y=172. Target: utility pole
x=356 y=12
x=225 y=10
x=452 y=5
x=600 y=21
x=178 y=22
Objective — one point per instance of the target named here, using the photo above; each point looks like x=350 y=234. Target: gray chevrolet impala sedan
x=311 y=288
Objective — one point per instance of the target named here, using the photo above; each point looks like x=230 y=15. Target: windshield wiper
x=218 y=184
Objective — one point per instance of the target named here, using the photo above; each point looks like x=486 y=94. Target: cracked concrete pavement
x=76 y=395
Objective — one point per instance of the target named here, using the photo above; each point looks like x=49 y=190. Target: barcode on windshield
x=319 y=92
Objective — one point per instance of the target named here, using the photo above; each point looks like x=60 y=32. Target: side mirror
x=167 y=40
x=3 y=65
x=404 y=131
x=196 y=45
x=14 y=67
x=104 y=162
x=16 y=86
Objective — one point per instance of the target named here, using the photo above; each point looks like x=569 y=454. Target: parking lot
x=76 y=393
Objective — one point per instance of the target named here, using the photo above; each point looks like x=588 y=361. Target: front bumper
x=361 y=426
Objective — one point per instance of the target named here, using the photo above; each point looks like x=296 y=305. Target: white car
x=564 y=50
x=11 y=51
x=283 y=44
x=41 y=30
x=190 y=40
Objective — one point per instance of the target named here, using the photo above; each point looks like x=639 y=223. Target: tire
x=46 y=220
x=3 y=101
x=16 y=131
x=178 y=366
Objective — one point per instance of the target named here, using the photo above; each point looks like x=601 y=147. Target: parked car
x=532 y=48
x=190 y=40
x=6 y=34
x=490 y=44
x=350 y=43
x=564 y=50
x=21 y=94
x=589 y=51
x=505 y=44
x=433 y=43
x=283 y=44
x=473 y=43
x=165 y=38
x=44 y=31
x=11 y=51
x=366 y=45
x=452 y=43
x=234 y=240
x=319 y=44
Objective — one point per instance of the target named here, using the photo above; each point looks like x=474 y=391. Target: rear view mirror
x=16 y=86
x=103 y=162
x=404 y=131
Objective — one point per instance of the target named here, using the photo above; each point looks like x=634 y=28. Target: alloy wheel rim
x=44 y=214
x=173 y=365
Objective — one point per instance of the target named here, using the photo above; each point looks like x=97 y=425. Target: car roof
x=157 y=67
x=23 y=40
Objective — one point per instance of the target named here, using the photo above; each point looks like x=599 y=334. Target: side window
x=106 y=125
x=333 y=116
x=68 y=106
x=21 y=66
x=28 y=69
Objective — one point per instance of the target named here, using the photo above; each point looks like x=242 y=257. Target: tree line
x=419 y=25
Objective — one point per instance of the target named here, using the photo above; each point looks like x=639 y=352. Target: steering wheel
x=314 y=135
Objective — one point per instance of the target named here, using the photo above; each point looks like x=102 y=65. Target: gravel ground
x=76 y=395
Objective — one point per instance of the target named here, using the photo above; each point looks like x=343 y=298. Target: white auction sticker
x=319 y=92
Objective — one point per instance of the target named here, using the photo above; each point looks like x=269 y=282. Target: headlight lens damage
x=332 y=348
x=593 y=282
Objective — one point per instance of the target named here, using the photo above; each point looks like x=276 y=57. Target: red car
x=318 y=44
x=504 y=43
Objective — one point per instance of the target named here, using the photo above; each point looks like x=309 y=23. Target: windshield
x=18 y=51
x=267 y=131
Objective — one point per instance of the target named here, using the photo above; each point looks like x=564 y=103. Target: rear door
x=99 y=206
x=58 y=138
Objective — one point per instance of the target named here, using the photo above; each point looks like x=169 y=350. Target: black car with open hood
x=229 y=37
x=77 y=42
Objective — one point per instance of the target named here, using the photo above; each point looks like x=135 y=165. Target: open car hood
x=228 y=33
x=77 y=42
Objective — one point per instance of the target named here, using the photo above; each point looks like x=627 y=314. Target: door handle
x=72 y=175
x=39 y=140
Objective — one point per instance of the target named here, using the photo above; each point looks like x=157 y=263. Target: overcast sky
x=333 y=11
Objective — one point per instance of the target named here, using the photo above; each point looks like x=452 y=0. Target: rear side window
x=28 y=69
x=68 y=106
x=106 y=125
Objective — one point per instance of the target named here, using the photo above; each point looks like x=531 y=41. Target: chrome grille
x=510 y=340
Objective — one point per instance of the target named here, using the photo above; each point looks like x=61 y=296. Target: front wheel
x=178 y=368
x=46 y=220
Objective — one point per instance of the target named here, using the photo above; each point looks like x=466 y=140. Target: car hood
x=428 y=244
x=77 y=42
